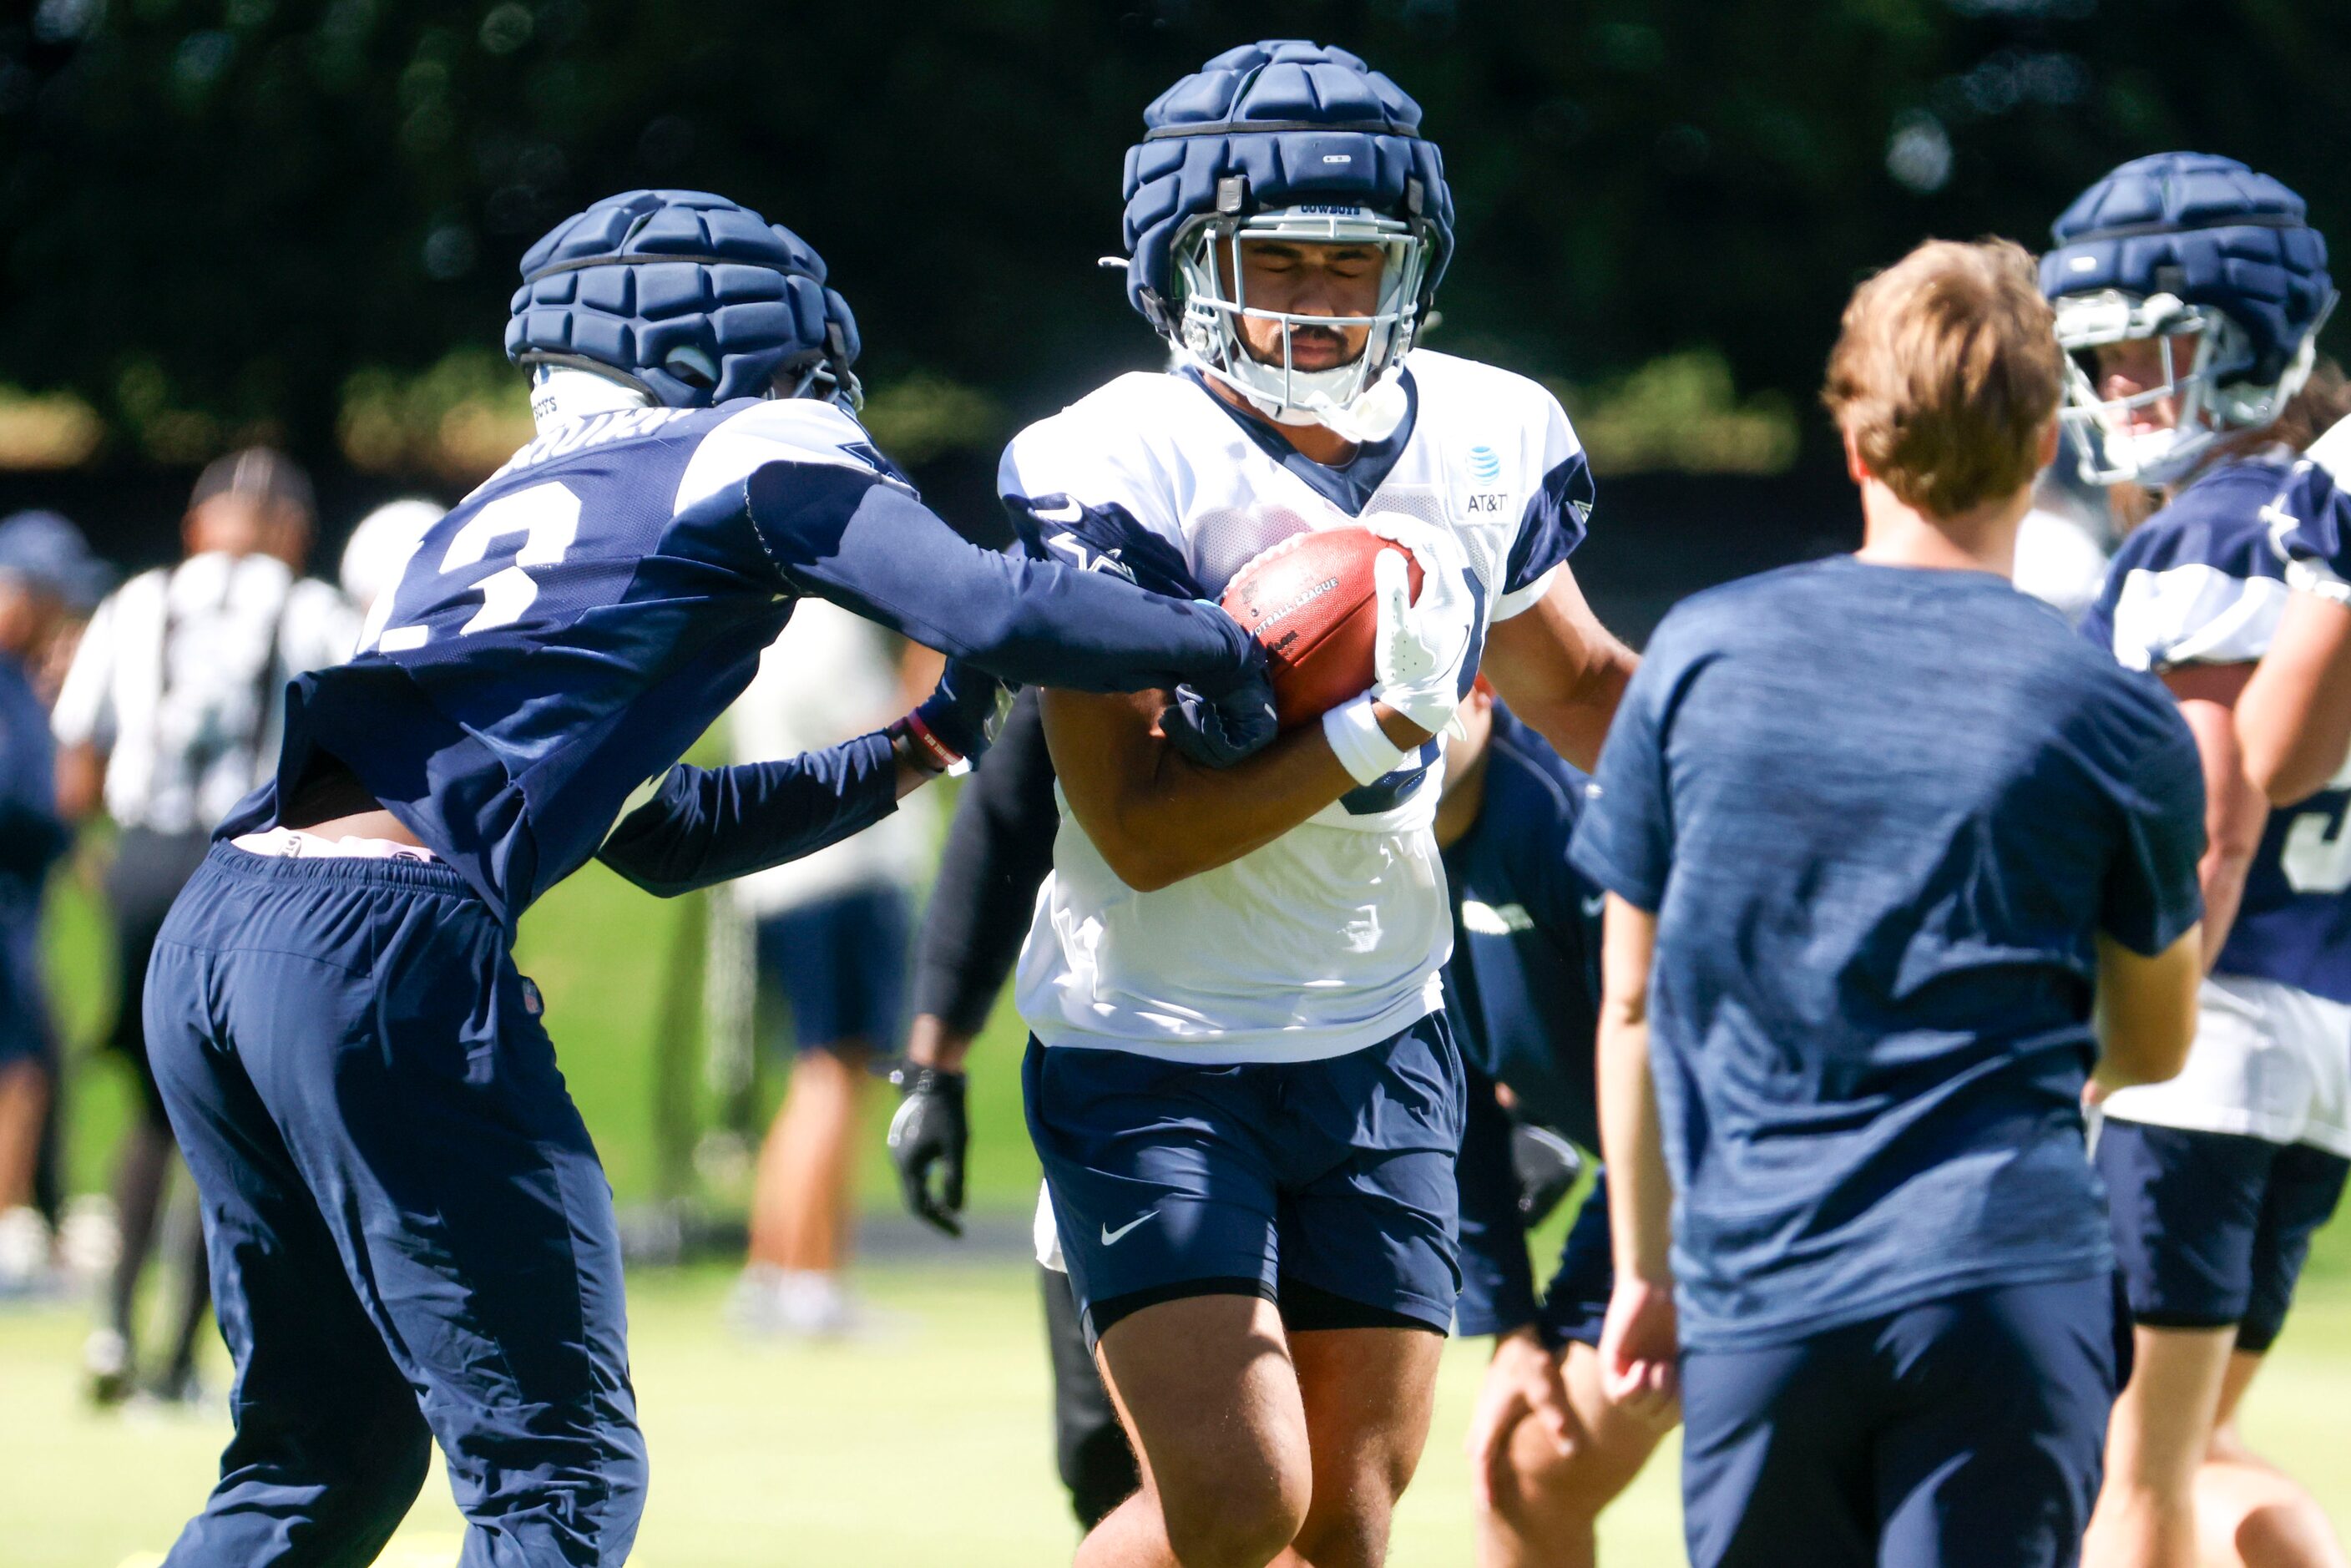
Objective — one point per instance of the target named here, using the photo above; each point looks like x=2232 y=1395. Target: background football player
x=410 y=1237
x=2188 y=295
x=1240 y=1084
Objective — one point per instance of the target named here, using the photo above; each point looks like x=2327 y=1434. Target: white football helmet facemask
x=1362 y=400
x=2212 y=395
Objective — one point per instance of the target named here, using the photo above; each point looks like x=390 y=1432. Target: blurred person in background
x=2189 y=293
x=170 y=713
x=46 y=575
x=830 y=933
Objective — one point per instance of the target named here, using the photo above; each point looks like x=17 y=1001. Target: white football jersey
x=1330 y=938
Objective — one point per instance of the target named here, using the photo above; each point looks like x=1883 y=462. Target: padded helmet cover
x=697 y=299
x=2207 y=230
x=1298 y=123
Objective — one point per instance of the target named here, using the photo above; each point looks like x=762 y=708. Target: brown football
x=1308 y=601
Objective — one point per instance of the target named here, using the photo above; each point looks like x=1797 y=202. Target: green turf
x=928 y=1445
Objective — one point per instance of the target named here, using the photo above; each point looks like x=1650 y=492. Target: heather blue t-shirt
x=1881 y=814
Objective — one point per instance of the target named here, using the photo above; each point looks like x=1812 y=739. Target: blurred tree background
x=299 y=219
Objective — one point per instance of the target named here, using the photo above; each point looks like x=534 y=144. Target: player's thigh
x=1610 y=1444
x=1370 y=1202
x=1776 y=1466
x=404 y=1058
x=314 y=1384
x=1995 y=1448
x=2305 y=1188
x=1158 y=1178
x=2187 y=1209
x=1207 y=1385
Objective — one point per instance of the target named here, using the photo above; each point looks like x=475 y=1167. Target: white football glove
x=1417 y=653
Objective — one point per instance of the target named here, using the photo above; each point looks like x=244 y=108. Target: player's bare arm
x=2147 y=1009
x=2235 y=810
x=1159 y=817
x=1561 y=670
x=1638 y=1344
x=2293 y=719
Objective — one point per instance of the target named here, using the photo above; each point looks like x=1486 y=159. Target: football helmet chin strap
x=1362 y=400
x=2212 y=395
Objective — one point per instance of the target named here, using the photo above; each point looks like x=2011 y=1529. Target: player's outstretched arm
x=891 y=559
x=707 y=825
x=1561 y=670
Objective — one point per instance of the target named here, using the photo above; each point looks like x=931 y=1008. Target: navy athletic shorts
x=1961 y=1432
x=1576 y=1302
x=2211 y=1228
x=841 y=963
x=1325 y=1186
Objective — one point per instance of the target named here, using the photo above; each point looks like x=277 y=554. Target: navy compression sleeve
x=843 y=534
x=706 y=825
x=998 y=849
x=1498 y=1281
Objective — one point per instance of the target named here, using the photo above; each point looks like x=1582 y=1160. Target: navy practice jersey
x=1522 y=990
x=556 y=642
x=1881 y=815
x=2201 y=583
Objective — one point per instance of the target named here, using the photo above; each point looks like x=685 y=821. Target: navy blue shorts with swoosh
x=1325 y=1186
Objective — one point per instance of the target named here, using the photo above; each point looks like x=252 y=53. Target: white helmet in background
x=381 y=544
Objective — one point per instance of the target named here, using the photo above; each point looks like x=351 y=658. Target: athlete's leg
x=1089 y=1447
x=799 y=1217
x=2147 y=1512
x=1207 y=1387
x=1547 y=1504
x=1368 y=1393
x=384 y=1026
x=2187 y=1208
x=2249 y=1513
x=329 y=1450
x=1776 y=1468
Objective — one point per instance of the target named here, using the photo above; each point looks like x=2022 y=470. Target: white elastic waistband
x=293 y=843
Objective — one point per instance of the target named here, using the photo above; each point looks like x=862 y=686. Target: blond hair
x=1947 y=374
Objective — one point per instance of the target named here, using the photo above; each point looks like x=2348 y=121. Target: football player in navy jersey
x=2293 y=720
x=2189 y=292
x=410 y=1237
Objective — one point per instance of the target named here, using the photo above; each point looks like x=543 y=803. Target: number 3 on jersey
x=539 y=525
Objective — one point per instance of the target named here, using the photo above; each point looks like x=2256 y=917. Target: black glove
x=1547 y=1166
x=958 y=721
x=1216 y=732
x=931 y=1132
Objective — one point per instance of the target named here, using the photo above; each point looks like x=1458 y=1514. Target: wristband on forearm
x=1362 y=747
x=915 y=745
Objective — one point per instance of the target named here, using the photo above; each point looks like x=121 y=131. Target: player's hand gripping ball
x=1310 y=603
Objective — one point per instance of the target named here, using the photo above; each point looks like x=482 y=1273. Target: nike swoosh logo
x=1112 y=1238
x=1595 y=903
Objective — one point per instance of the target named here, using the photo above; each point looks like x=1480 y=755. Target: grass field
x=926 y=1446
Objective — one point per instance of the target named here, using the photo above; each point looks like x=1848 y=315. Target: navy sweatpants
x=410 y=1237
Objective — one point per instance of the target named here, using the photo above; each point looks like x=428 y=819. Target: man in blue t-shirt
x=1875 y=830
